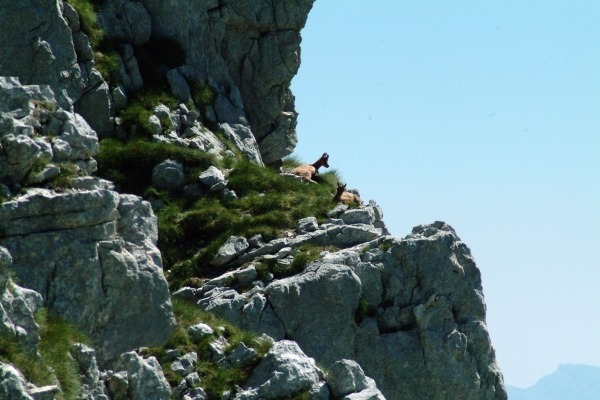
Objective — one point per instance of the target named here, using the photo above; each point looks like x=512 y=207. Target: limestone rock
x=212 y=176
x=345 y=377
x=111 y=286
x=168 y=175
x=13 y=384
x=145 y=377
x=358 y=216
x=298 y=303
x=179 y=87
x=233 y=247
x=242 y=137
x=38 y=48
x=199 y=331
x=307 y=224
x=185 y=365
x=284 y=372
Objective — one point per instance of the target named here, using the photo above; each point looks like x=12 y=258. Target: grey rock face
x=13 y=384
x=244 y=140
x=345 y=377
x=145 y=378
x=110 y=285
x=96 y=107
x=38 y=48
x=125 y=21
x=179 y=87
x=427 y=310
x=284 y=372
x=17 y=310
x=233 y=247
x=248 y=53
x=168 y=175
x=299 y=302
x=28 y=114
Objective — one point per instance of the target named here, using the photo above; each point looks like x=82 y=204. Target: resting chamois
x=346 y=197
x=308 y=172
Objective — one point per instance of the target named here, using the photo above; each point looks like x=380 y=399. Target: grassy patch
x=130 y=164
x=307 y=253
x=364 y=310
x=57 y=337
x=88 y=19
x=214 y=379
x=269 y=204
x=140 y=108
x=202 y=95
x=386 y=245
x=64 y=180
x=107 y=63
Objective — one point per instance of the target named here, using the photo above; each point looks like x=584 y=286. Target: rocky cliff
x=137 y=219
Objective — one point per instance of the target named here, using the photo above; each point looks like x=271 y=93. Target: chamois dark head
x=340 y=190
x=322 y=162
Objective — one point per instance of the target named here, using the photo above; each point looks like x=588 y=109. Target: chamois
x=346 y=197
x=308 y=172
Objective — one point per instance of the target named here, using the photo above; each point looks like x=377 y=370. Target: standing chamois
x=308 y=172
x=346 y=197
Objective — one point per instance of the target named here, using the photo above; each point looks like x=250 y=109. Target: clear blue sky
x=484 y=115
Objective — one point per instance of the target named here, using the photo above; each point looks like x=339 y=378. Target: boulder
x=184 y=365
x=212 y=176
x=199 y=331
x=242 y=137
x=13 y=384
x=345 y=377
x=284 y=372
x=179 y=87
x=145 y=378
x=168 y=175
x=358 y=216
x=233 y=247
x=308 y=224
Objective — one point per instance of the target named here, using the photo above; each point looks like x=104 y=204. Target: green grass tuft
x=56 y=364
x=214 y=379
x=202 y=95
x=107 y=63
x=88 y=18
x=130 y=164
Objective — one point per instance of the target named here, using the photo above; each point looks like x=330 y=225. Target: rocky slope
x=380 y=315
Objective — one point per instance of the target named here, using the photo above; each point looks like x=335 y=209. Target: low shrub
x=107 y=63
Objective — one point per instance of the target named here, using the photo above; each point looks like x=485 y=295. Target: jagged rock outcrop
x=41 y=43
x=35 y=130
x=409 y=311
x=118 y=295
x=247 y=52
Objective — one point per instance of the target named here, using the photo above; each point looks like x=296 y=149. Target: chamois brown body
x=346 y=197
x=309 y=171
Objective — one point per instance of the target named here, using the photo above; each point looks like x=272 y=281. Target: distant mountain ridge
x=568 y=382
